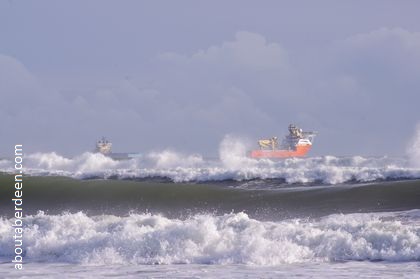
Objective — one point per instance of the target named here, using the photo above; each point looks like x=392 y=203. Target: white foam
x=86 y=162
x=233 y=153
x=186 y=168
x=6 y=165
x=413 y=151
x=171 y=159
x=233 y=164
x=206 y=239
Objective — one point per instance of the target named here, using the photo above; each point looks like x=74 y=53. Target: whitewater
x=228 y=239
x=88 y=245
x=178 y=167
x=167 y=214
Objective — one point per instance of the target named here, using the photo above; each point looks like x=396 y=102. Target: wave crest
x=232 y=164
x=413 y=150
x=206 y=239
x=193 y=168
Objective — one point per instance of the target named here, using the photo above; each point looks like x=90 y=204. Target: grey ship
x=104 y=147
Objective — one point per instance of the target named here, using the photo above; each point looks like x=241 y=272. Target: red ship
x=296 y=144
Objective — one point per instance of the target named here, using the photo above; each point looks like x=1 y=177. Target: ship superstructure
x=104 y=146
x=296 y=144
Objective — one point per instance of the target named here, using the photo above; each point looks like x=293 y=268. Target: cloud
x=364 y=85
x=241 y=78
x=192 y=101
x=13 y=72
x=248 y=51
x=385 y=64
x=16 y=85
x=371 y=83
x=386 y=53
x=386 y=38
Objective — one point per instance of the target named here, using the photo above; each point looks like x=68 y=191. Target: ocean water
x=169 y=215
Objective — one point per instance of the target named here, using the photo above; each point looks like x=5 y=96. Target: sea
x=172 y=215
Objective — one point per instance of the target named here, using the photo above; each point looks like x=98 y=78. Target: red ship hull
x=300 y=151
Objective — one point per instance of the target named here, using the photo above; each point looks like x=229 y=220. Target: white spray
x=232 y=153
x=171 y=159
x=414 y=148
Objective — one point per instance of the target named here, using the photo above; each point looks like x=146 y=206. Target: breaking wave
x=193 y=168
x=207 y=239
x=232 y=164
x=413 y=150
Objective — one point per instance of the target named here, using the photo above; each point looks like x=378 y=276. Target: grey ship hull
x=123 y=156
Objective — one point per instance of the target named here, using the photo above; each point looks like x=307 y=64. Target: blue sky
x=183 y=74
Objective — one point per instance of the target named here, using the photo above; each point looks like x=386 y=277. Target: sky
x=181 y=75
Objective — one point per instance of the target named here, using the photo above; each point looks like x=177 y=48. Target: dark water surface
x=54 y=195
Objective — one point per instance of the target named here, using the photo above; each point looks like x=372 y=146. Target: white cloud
x=16 y=85
x=245 y=86
x=249 y=51
x=371 y=83
x=387 y=53
x=394 y=38
x=13 y=72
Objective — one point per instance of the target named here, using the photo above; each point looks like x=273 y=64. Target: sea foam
x=179 y=167
x=413 y=150
x=232 y=164
x=206 y=239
